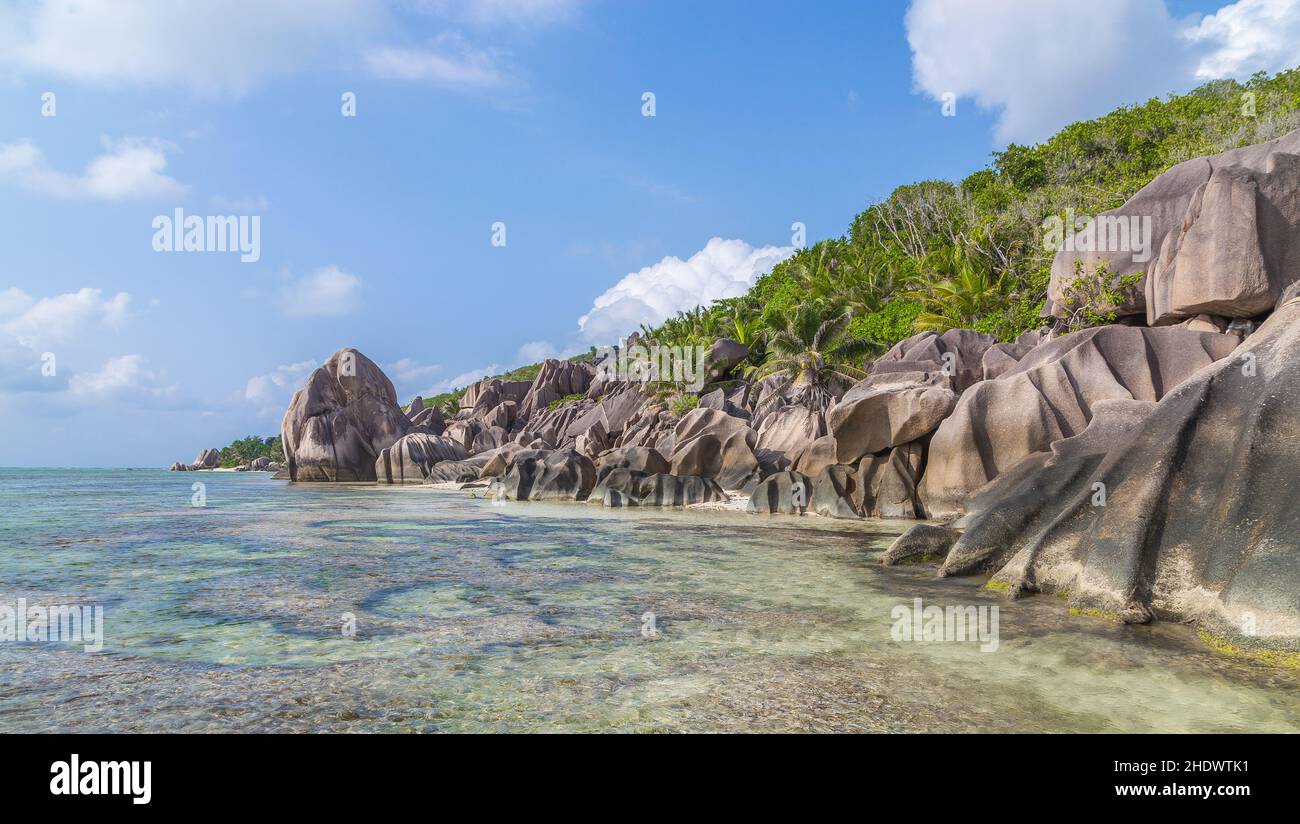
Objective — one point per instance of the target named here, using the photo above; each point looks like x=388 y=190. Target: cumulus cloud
x=326 y=292
x=33 y=329
x=449 y=62
x=36 y=324
x=1042 y=64
x=130 y=168
x=1023 y=58
x=125 y=377
x=271 y=392
x=14 y=301
x=1248 y=36
x=211 y=48
x=722 y=269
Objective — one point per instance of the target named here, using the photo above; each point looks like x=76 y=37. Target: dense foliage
x=937 y=255
x=245 y=450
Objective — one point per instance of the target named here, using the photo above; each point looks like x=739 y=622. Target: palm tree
x=813 y=355
x=866 y=281
x=963 y=289
x=746 y=329
x=815 y=270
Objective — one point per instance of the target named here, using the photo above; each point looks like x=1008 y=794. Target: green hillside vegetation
x=937 y=255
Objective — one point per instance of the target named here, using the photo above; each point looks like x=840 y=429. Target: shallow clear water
x=480 y=616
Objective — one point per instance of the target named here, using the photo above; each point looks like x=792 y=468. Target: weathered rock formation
x=338 y=423
x=1049 y=395
x=636 y=458
x=558 y=379
x=719 y=399
x=559 y=475
x=479 y=398
x=883 y=485
x=410 y=459
x=791 y=430
x=629 y=487
x=431 y=419
x=1184 y=512
x=784 y=492
x=722 y=357
x=466 y=471
x=1223 y=237
x=888 y=410
x=712 y=444
x=956 y=355
x=820 y=454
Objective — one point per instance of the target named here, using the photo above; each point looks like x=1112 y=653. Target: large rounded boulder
x=410 y=459
x=791 y=430
x=628 y=487
x=636 y=458
x=1186 y=513
x=888 y=410
x=559 y=475
x=712 y=444
x=1214 y=235
x=956 y=357
x=1049 y=395
x=723 y=356
x=336 y=425
x=786 y=493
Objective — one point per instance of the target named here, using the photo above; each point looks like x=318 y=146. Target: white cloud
x=67 y=334
x=448 y=62
x=722 y=269
x=124 y=377
x=1248 y=36
x=211 y=48
x=537 y=350
x=327 y=292
x=130 y=168
x=1043 y=64
x=14 y=301
x=59 y=325
x=271 y=392
x=463 y=379
x=491 y=12
x=36 y=324
x=408 y=371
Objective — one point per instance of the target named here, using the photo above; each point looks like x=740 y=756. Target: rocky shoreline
x=1140 y=469
x=209 y=460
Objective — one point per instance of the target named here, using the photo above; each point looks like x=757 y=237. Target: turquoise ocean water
x=356 y=608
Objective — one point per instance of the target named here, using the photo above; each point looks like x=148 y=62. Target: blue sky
x=376 y=229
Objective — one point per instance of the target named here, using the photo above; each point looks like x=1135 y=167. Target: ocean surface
x=285 y=608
